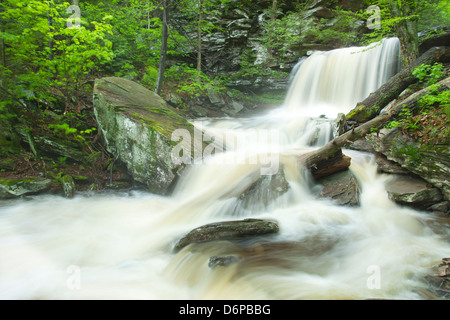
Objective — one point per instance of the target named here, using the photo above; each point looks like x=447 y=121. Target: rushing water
x=119 y=246
x=331 y=81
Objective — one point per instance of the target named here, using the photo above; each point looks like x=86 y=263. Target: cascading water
x=334 y=81
x=119 y=246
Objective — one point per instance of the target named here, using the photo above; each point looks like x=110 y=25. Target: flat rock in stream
x=228 y=230
x=412 y=191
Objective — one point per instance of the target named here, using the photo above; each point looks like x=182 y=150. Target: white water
x=334 y=81
x=119 y=246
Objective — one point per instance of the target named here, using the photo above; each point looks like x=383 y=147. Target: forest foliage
x=49 y=46
x=52 y=50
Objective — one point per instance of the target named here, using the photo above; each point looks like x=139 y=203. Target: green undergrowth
x=428 y=121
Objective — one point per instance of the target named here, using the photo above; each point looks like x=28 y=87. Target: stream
x=119 y=245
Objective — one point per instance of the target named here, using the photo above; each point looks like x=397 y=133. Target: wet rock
x=340 y=125
x=342 y=187
x=13 y=188
x=264 y=191
x=387 y=166
x=431 y=163
x=228 y=230
x=68 y=186
x=412 y=191
x=361 y=145
x=53 y=146
x=439 y=280
x=137 y=127
x=222 y=261
x=442 y=207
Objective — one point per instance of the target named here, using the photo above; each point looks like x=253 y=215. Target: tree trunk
x=372 y=105
x=2 y=47
x=163 y=54
x=329 y=159
x=50 y=27
x=407 y=28
x=273 y=19
x=199 y=41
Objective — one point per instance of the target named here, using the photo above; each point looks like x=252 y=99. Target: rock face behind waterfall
x=137 y=126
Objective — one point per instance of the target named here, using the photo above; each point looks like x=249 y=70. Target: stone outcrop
x=431 y=163
x=241 y=30
x=137 y=127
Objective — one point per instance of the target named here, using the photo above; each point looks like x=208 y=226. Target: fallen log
x=329 y=158
x=325 y=164
x=372 y=105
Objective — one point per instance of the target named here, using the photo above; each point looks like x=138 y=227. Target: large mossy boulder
x=137 y=126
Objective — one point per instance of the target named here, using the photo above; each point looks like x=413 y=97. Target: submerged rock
x=228 y=230
x=137 y=127
x=13 y=188
x=222 y=261
x=265 y=191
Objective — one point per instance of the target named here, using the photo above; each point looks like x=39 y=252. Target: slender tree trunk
x=199 y=41
x=2 y=50
x=163 y=54
x=274 y=10
x=272 y=20
x=407 y=29
x=50 y=27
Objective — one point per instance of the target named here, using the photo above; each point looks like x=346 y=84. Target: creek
x=120 y=245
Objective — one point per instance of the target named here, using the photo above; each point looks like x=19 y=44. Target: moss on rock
x=13 y=188
x=137 y=127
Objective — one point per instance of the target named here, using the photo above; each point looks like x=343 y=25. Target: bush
x=429 y=75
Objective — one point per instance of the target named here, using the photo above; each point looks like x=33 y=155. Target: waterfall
x=119 y=245
x=334 y=81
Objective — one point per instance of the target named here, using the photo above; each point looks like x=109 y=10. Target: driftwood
x=372 y=105
x=329 y=158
